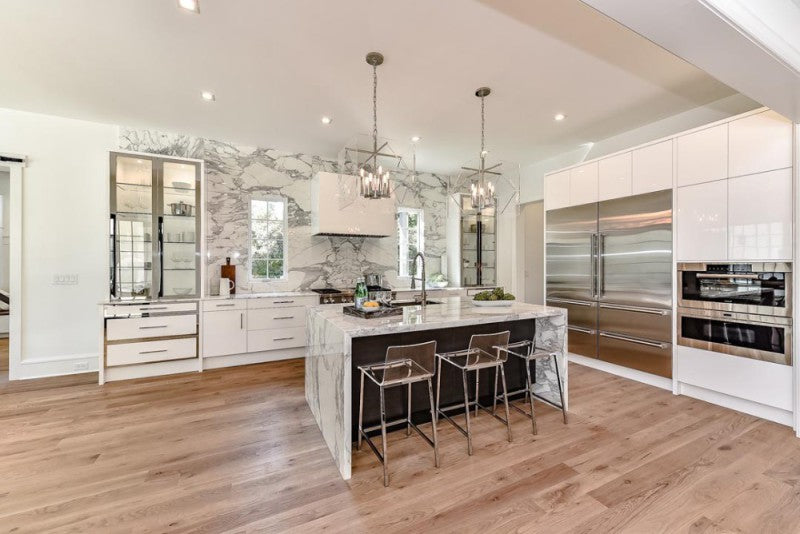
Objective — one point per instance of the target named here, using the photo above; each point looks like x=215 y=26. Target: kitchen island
x=337 y=344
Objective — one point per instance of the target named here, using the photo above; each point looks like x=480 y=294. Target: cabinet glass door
x=131 y=227
x=478 y=245
x=179 y=229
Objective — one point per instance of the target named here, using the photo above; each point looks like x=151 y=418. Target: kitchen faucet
x=421 y=256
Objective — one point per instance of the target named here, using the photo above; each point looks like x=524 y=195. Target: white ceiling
x=277 y=66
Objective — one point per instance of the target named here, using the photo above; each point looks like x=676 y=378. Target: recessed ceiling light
x=560 y=117
x=190 y=5
x=326 y=120
x=208 y=96
x=415 y=139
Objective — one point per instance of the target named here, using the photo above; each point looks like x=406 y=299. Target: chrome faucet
x=421 y=256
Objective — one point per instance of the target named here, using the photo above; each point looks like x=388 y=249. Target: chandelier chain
x=375 y=107
x=483 y=125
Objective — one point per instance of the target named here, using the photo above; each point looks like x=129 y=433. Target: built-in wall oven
x=741 y=309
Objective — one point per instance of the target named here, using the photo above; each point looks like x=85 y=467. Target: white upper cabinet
x=614 y=177
x=702 y=222
x=760 y=216
x=703 y=156
x=758 y=143
x=556 y=190
x=583 y=184
x=652 y=168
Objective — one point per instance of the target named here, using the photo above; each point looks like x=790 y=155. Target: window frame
x=267 y=198
x=402 y=241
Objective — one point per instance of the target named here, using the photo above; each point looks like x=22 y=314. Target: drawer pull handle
x=282 y=338
x=154 y=326
x=152 y=351
x=152 y=308
x=633 y=340
x=224 y=305
x=637 y=309
x=285 y=317
x=284 y=301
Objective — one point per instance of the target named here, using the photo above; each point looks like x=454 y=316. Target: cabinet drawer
x=258 y=340
x=224 y=304
x=271 y=318
x=281 y=302
x=144 y=327
x=151 y=351
x=128 y=310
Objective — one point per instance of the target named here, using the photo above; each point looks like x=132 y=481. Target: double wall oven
x=740 y=309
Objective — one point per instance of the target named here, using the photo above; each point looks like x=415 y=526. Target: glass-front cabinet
x=154 y=227
x=478 y=245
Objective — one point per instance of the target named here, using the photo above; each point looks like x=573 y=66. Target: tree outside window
x=268 y=233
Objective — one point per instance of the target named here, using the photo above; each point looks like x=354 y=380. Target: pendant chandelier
x=375 y=180
x=482 y=190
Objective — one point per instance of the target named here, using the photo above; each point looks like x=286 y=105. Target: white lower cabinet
x=702 y=222
x=224 y=333
x=760 y=216
x=274 y=339
x=151 y=351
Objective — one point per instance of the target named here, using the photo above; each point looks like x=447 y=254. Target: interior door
x=570 y=239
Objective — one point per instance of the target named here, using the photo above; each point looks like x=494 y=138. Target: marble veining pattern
x=235 y=173
x=329 y=369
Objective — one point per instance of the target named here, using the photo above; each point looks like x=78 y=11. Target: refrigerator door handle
x=601 y=271
x=161 y=256
x=570 y=301
x=582 y=330
x=634 y=340
x=651 y=311
x=593 y=273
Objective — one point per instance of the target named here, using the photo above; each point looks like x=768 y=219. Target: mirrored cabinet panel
x=478 y=245
x=154 y=227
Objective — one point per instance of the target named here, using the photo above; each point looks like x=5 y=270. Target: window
x=410 y=240
x=268 y=224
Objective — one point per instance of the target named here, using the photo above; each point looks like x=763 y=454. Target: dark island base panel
x=372 y=349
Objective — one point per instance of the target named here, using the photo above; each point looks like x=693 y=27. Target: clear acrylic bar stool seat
x=483 y=353
x=528 y=352
x=405 y=365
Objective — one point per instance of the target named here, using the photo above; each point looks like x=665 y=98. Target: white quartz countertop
x=272 y=294
x=453 y=311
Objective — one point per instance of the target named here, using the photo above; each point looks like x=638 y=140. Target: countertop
x=169 y=300
x=453 y=311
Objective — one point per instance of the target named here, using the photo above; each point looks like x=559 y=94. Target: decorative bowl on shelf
x=182 y=290
x=437 y=285
x=181 y=185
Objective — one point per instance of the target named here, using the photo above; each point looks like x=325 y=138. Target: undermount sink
x=413 y=302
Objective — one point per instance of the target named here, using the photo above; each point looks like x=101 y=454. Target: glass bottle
x=360 y=294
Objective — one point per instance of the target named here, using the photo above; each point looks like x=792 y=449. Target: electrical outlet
x=81 y=366
x=65 y=279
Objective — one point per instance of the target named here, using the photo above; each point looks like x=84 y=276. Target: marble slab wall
x=234 y=173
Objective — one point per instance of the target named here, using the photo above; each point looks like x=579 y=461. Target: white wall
x=5 y=190
x=64 y=213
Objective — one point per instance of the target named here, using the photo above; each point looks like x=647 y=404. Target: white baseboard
x=67 y=364
x=218 y=362
x=633 y=374
x=763 y=411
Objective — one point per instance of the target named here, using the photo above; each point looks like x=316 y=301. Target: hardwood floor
x=236 y=450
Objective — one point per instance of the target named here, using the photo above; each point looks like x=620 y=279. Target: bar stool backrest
x=423 y=354
x=488 y=342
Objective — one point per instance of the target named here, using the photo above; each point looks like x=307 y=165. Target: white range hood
x=338 y=209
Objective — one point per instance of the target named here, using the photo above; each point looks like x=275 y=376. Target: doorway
x=533 y=220
x=5 y=265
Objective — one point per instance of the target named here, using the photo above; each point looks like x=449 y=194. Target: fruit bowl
x=492 y=303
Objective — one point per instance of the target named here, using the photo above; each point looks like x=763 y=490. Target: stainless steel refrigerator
x=610 y=265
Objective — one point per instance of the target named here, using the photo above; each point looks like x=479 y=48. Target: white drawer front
x=144 y=327
x=258 y=340
x=224 y=304
x=275 y=302
x=151 y=351
x=125 y=310
x=276 y=318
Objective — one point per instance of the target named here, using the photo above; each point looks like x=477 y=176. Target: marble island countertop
x=451 y=312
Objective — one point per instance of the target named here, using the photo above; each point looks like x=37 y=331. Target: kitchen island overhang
x=337 y=344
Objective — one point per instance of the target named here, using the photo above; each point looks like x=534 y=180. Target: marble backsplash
x=234 y=173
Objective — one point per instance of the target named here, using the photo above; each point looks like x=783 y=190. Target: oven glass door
x=754 y=289
x=760 y=341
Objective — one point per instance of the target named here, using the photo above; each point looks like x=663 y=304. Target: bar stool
x=528 y=352
x=404 y=365
x=483 y=353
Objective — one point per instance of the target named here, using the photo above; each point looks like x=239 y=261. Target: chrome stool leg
x=529 y=395
x=383 y=440
x=494 y=398
x=408 y=413
x=466 y=411
x=560 y=390
x=433 y=424
x=477 y=389
x=438 y=388
x=505 y=401
x=361 y=412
